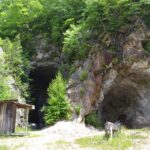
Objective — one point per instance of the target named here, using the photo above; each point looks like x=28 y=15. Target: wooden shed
x=8 y=110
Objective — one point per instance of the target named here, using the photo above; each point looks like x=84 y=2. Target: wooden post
x=27 y=116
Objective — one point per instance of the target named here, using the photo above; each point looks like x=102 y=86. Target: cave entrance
x=120 y=104
x=40 y=79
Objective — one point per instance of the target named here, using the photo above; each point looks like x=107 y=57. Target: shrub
x=146 y=46
x=75 y=43
x=15 y=64
x=4 y=90
x=58 y=106
x=77 y=108
x=82 y=92
x=93 y=119
x=83 y=75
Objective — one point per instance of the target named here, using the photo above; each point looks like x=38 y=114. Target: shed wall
x=7 y=118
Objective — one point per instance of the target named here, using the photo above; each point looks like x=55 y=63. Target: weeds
x=3 y=147
x=120 y=142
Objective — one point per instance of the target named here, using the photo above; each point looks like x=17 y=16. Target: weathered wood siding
x=7 y=118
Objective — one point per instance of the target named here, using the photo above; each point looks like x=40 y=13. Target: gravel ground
x=62 y=135
x=45 y=139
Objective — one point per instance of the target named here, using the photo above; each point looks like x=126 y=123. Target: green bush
x=4 y=90
x=58 y=106
x=15 y=64
x=75 y=43
x=81 y=92
x=77 y=108
x=146 y=46
x=83 y=75
x=93 y=119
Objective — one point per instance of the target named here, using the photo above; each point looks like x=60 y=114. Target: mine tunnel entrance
x=120 y=104
x=40 y=79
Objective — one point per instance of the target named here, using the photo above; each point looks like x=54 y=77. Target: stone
x=47 y=55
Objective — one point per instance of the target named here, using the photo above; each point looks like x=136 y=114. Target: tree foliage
x=14 y=64
x=58 y=106
x=101 y=16
x=5 y=92
x=71 y=24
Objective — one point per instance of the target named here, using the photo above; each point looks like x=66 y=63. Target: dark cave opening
x=120 y=104
x=40 y=79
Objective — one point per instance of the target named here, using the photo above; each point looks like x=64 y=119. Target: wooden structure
x=8 y=110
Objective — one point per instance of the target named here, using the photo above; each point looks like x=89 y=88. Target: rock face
x=119 y=91
x=47 y=55
x=84 y=88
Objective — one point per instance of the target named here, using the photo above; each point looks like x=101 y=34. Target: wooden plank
x=14 y=117
x=8 y=101
x=24 y=106
x=27 y=117
x=1 y=117
x=4 y=120
x=8 y=119
x=3 y=111
x=18 y=105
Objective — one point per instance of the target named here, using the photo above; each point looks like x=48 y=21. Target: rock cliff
x=116 y=84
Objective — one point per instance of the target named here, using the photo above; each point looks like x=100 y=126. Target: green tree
x=5 y=92
x=15 y=63
x=58 y=106
x=16 y=14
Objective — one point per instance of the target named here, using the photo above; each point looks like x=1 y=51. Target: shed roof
x=18 y=105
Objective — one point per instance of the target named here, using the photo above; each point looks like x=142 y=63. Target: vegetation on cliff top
x=74 y=25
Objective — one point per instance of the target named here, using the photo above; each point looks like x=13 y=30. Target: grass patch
x=3 y=147
x=144 y=130
x=62 y=142
x=33 y=135
x=19 y=129
x=58 y=145
x=120 y=142
x=23 y=129
x=138 y=136
x=84 y=75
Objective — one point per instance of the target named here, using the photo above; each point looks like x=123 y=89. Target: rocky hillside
x=117 y=89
